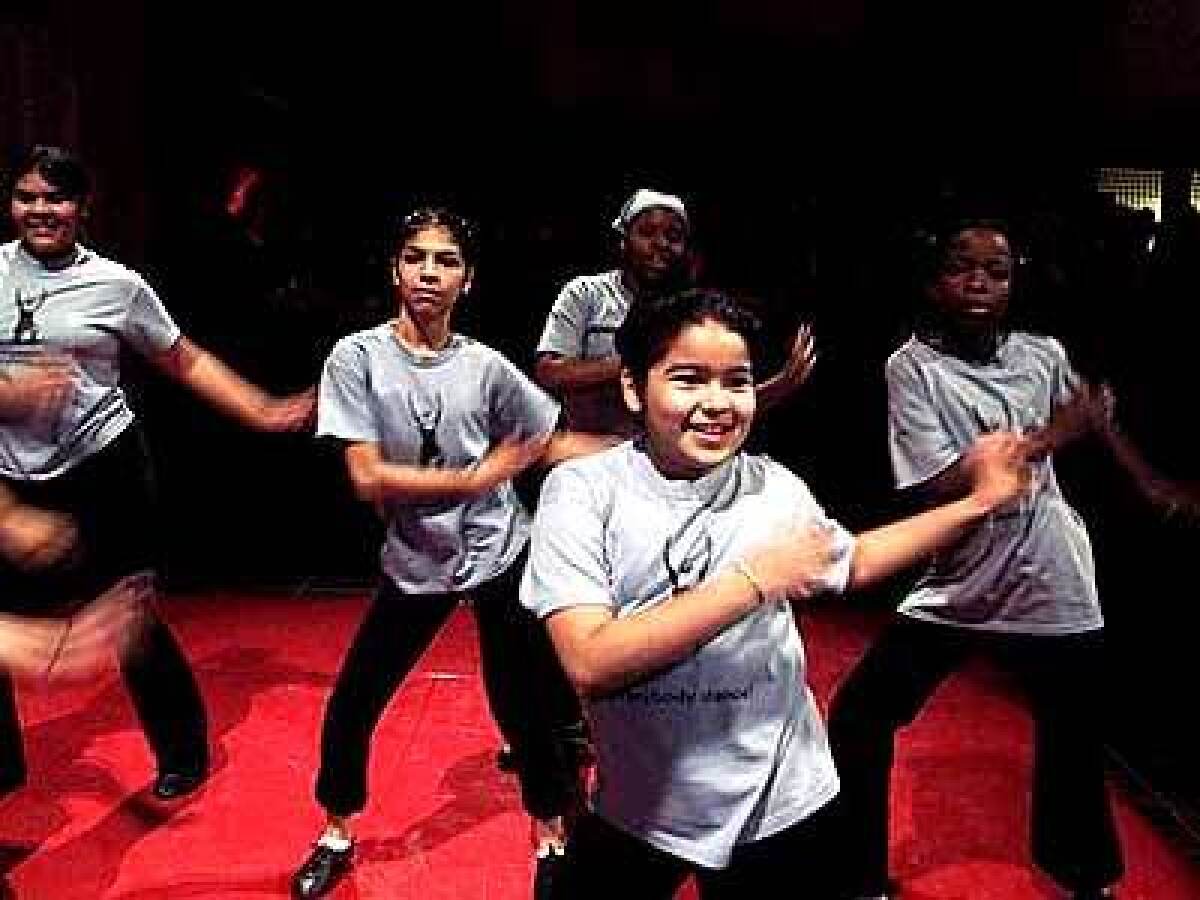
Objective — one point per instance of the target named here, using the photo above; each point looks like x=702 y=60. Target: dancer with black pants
x=1020 y=587
x=434 y=427
x=69 y=444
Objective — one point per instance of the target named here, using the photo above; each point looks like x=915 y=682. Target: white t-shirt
x=1026 y=569
x=582 y=325
x=727 y=746
x=445 y=410
x=86 y=311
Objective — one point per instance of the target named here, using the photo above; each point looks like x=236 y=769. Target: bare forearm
x=564 y=445
x=774 y=390
x=885 y=551
x=415 y=484
x=213 y=381
x=616 y=652
x=561 y=374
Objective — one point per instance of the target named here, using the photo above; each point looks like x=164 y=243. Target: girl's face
x=973 y=284
x=47 y=221
x=698 y=400
x=430 y=273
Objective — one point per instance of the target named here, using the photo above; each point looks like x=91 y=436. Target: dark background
x=809 y=139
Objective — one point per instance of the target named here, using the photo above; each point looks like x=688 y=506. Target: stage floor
x=442 y=822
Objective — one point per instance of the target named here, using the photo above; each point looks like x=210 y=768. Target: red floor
x=442 y=822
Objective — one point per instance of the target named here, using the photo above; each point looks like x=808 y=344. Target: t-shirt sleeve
x=567 y=565
x=344 y=408
x=149 y=328
x=566 y=323
x=809 y=512
x=1066 y=381
x=918 y=441
x=519 y=407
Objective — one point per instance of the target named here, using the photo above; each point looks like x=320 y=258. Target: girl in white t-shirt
x=70 y=442
x=434 y=426
x=663 y=570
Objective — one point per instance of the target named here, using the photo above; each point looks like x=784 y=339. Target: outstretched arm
x=602 y=653
x=993 y=473
x=563 y=374
x=1093 y=411
x=209 y=378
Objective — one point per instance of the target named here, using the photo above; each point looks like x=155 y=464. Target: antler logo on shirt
x=28 y=301
x=426 y=418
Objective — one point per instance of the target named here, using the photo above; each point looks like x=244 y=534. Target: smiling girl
x=663 y=569
x=70 y=443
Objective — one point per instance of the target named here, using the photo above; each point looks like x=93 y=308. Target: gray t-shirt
x=1028 y=568
x=581 y=325
x=85 y=311
x=727 y=746
x=444 y=410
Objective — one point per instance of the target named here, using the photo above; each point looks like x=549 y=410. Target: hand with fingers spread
x=37 y=388
x=802 y=356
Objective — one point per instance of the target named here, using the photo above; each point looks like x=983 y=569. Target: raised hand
x=802 y=356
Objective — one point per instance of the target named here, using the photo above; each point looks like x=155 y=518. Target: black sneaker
x=577 y=739
x=505 y=760
x=173 y=785
x=322 y=870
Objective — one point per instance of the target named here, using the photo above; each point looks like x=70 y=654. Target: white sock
x=335 y=843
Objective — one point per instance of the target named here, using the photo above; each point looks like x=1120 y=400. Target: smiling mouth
x=711 y=432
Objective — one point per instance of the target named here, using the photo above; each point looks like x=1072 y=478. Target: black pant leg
x=393 y=635
x=885 y=691
x=604 y=863
x=801 y=856
x=1073 y=831
x=12 y=749
x=167 y=699
x=522 y=677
